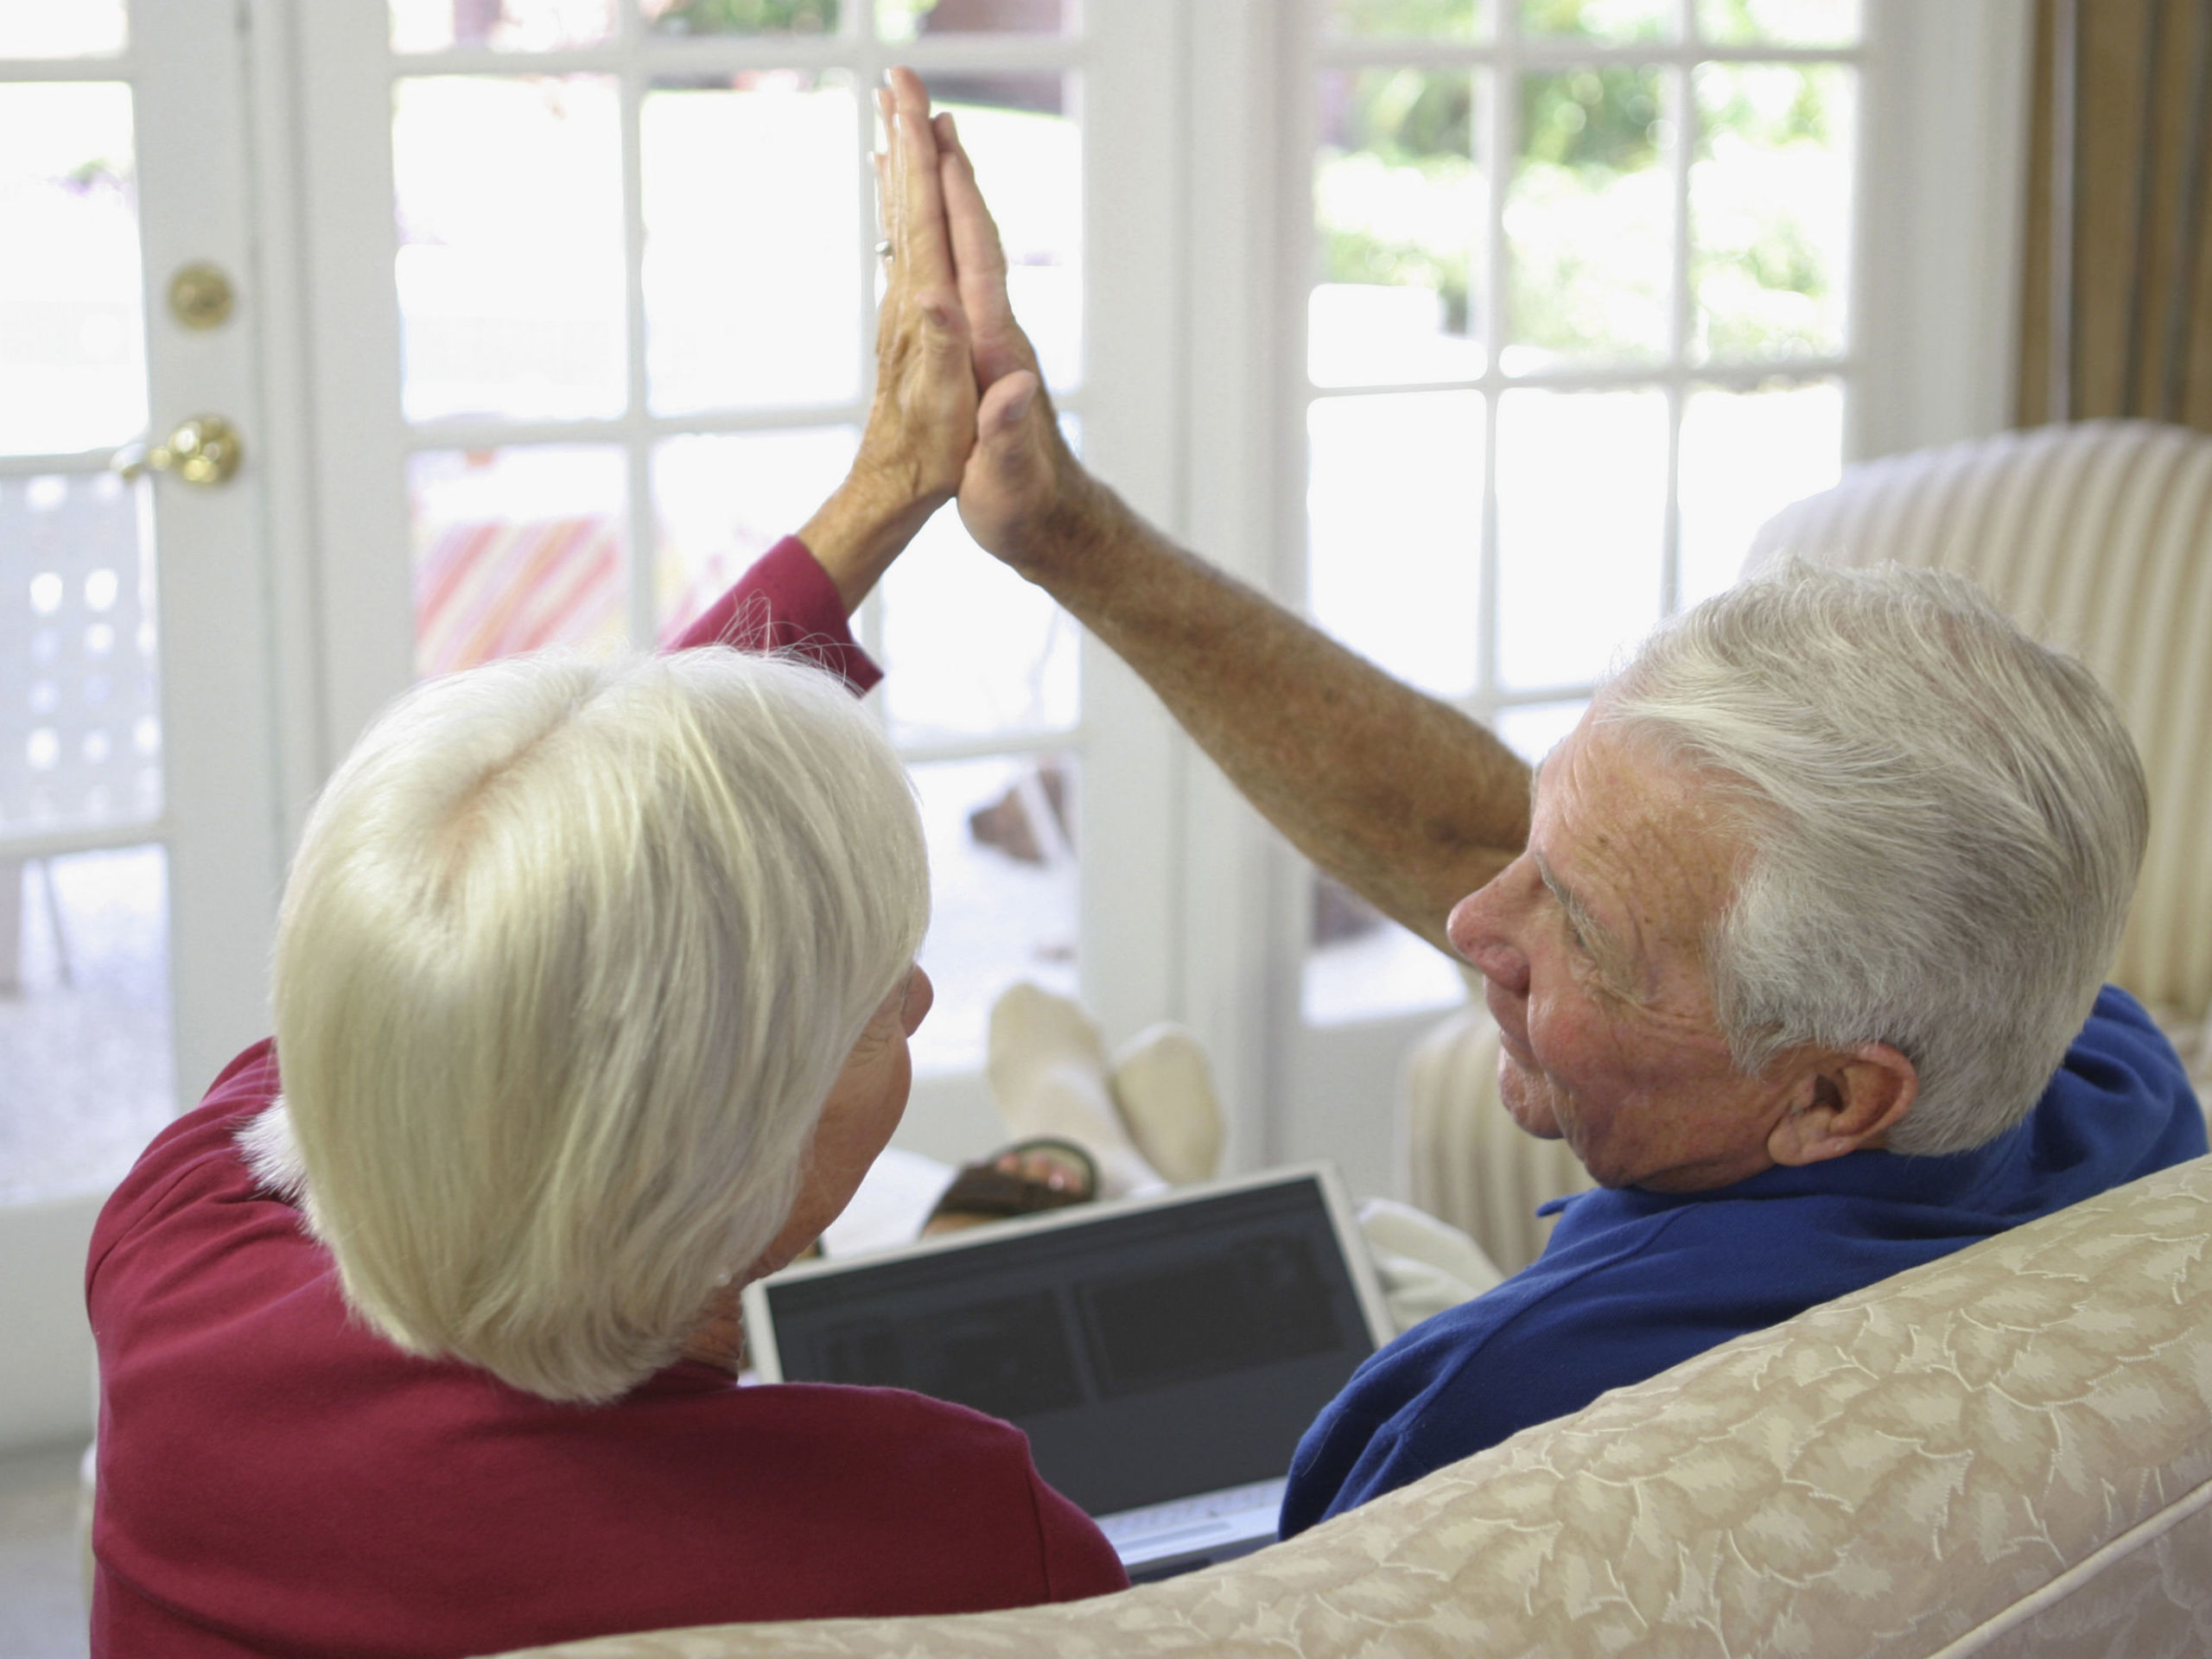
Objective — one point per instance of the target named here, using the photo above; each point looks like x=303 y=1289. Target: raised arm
x=1401 y=798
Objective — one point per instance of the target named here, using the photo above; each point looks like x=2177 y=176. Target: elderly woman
x=592 y=989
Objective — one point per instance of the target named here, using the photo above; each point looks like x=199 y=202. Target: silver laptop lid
x=1153 y=1349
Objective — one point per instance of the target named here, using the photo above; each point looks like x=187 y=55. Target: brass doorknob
x=205 y=450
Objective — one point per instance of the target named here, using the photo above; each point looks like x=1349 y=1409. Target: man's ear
x=1847 y=1103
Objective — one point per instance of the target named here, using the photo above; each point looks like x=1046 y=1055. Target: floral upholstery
x=2007 y=1452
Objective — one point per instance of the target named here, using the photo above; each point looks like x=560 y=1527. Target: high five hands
x=960 y=407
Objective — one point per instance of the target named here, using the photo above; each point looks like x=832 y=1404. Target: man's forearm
x=1403 y=798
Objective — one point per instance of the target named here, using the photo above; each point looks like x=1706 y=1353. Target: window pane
x=906 y=20
x=503 y=25
x=1395 y=517
x=722 y=502
x=1780 y=22
x=80 y=734
x=1581 y=500
x=1362 y=966
x=1588 y=221
x=84 y=1018
x=43 y=28
x=73 y=351
x=1397 y=201
x=1021 y=132
x=516 y=549
x=1771 y=209
x=1746 y=456
x=510 y=266
x=971 y=650
x=740 y=17
x=1614 y=21
x=1407 y=19
x=752 y=261
x=1532 y=729
x=1003 y=888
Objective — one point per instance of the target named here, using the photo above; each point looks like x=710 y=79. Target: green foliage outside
x=1399 y=199
x=1396 y=198
x=1416 y=19
x=746 y=17
x=1612 y=21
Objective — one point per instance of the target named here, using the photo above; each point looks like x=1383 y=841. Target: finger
x=919 y=246
x=980 y=263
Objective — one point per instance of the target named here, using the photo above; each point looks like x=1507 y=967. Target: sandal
x=984 y=1192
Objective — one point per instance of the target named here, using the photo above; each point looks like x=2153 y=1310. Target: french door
x=138 y=824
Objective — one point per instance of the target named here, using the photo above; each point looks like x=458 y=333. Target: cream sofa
x=2007 y=1452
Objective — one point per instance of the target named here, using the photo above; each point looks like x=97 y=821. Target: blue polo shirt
x=1633 y=1282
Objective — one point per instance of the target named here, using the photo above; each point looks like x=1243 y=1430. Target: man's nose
x=1476 y=933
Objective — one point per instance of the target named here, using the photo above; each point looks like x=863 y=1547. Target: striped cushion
x=2097 y=538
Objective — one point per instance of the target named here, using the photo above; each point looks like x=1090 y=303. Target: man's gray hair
x=570 y=957
x=1942 y=822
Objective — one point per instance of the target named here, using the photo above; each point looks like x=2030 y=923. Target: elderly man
x=1798 y=939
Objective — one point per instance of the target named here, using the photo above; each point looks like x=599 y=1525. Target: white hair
x=1943 y=821
x=570 y=957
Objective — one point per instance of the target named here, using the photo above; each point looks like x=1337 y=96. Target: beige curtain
x=2116 y=317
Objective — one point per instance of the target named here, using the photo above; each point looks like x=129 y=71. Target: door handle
x=206 y=450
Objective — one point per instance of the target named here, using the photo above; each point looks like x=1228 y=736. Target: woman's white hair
x=1942 y=822
x=570 y=957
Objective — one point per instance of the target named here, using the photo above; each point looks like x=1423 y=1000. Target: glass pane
x=1003 y=887
x=1746 y=456
x=1589 y=219
x=503 y=25
x=754 y=251
x=722 y=502
x=1771 y=209
x=1393 y=506
x=1362 y=966
x=72 y=349
x=84 y=1018
x=905 y=20
x=1022 y=132
x=510 y=263
x=44 y=29
x=80 y=732
x=1615 y=22
x=1532 y=729
x=1780 y=22
x=1397 y=203
x=971 y=649
x=516 y=549
x=1407 y=19
x=740 y=17
x=1581 y=500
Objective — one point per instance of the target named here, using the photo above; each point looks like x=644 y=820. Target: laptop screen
x=1150 y=1355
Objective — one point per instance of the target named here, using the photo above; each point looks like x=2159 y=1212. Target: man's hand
x=921 y=427
x=1023 y=495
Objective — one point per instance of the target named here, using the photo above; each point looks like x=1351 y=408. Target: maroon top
x=276 y=1479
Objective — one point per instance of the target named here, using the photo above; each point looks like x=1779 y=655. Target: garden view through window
x=1578 y=324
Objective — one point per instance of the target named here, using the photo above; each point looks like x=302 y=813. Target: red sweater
x=276 y=1479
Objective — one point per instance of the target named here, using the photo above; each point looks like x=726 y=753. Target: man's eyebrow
x=1578 y=912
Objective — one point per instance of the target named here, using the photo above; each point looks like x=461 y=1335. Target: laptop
x=1164 y=1355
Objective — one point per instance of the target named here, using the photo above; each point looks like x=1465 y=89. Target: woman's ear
x=1848 y=1104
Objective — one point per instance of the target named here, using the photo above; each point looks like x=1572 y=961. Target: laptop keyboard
x=1188 y=1521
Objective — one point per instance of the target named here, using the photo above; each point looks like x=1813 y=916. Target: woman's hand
x=921 y=427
